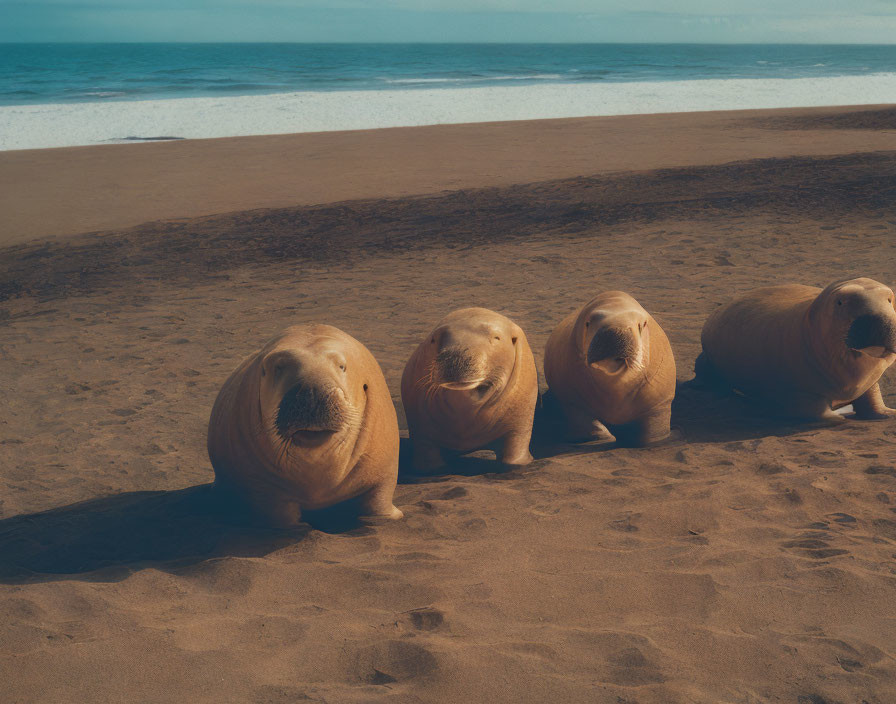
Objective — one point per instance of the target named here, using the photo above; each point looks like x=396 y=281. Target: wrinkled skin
x=469 y=385
x=805 y=351
x=610 y=373
x=306 y=423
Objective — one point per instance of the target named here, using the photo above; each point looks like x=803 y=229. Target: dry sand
x=52 y=192
x=743 y=561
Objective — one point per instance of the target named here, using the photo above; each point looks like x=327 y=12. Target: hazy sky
x=849 y=21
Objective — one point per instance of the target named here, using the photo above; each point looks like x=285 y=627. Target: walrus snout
x=457 y=369
x=874 y=335
x=613 y=348
x=309 y=409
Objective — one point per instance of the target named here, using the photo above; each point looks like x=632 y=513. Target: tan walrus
x=306 y=423
x=610 y=372
x=805 y=351
x=470 y=384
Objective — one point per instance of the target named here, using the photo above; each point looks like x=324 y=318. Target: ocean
x=60 y=73
x=66 y=94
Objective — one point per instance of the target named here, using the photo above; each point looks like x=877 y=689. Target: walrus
x=305 y=423
x=804 y=351
x=469 y=385
x=611 y=373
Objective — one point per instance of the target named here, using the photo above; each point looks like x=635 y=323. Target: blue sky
x=858 y=21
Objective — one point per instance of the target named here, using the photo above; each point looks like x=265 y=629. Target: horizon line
x=457 y=43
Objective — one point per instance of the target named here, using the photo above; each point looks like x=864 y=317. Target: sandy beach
x=745 y=560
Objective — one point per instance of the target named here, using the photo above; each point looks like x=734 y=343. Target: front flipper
x=581 y=427
x=277 y=511
x=265 y=505
x=649 y=429
x=515 y=450
x=870 y=405
x=807 y=407
x=377 y=503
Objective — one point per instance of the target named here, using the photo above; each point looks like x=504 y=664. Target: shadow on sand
x=705 y=414
x=106 y=539
x=699 y=414
x=112 y=536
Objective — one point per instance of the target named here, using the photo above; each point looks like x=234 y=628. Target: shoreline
x=95 y=123
x=54 y=193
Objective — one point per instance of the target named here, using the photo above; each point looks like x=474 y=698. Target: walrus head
x=473 y=351
x=858 y=318
x=614 y=335
x=307 y=395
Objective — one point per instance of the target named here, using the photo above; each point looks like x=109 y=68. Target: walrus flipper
x=581 y=426
x=808 y=406
x=652 y=428
x=515 y=448
x=870 y=405
x=377 y=503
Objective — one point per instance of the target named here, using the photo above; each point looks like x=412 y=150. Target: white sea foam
x=474 y=79
x=57 y=125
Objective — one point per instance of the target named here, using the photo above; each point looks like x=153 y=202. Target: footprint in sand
x=625 y=524
x=814 y=544
x=770 y=468
x=426 y=618
x=881 y=470
x=629 y=667
x=391 y=661
x=455 y=492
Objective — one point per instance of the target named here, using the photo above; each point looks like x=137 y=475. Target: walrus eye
x=497 y=337
x=342 y=367
x=365 y=387
x=513 y=340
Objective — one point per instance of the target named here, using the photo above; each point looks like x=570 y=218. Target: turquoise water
x=64 y=73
